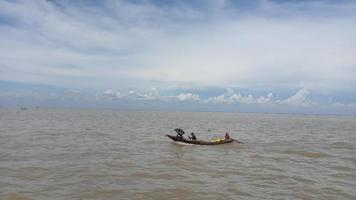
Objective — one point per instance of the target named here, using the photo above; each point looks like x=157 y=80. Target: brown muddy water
x=104 y=154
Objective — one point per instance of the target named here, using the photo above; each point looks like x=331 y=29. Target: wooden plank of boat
x=199 y=142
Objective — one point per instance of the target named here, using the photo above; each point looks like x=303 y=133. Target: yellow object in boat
x=218 y=140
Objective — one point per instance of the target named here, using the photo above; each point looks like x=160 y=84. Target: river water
x=108 y=154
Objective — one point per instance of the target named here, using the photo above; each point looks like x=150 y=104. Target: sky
x=198 y=55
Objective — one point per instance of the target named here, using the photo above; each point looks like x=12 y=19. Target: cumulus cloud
x=111 y=94
x=187 y=97
x=234 y=98
x=299 y=99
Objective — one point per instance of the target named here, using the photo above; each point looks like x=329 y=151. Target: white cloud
x=188 y=97
x=125 y=42
x=299 y=99
x=108 y=92
x=152 y=94
x=231 y=98
x=218 y=99
x=266 y=100
x=111 y=94
x=257 y=52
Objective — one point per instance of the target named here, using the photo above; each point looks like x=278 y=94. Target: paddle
x=237 y=141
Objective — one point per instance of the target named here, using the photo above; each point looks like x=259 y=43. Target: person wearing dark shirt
x=193 y=137
x=180 y=132
x=227 y=136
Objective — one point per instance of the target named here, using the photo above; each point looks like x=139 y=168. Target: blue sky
x=250 y=56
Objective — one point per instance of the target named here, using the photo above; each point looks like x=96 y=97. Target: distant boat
x=24 y=108
x=200 y=142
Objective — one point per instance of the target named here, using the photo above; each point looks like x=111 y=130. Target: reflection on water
x=102 y=154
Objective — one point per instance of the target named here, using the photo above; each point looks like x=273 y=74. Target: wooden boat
x=200 y=142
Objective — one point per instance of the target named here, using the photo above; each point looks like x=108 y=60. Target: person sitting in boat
x=192 y=137
x=227 y=136
x=180 y=132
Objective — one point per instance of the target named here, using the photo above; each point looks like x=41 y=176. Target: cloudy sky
x=200 y=55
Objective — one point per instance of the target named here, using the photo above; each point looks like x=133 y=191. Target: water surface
x=105 y=154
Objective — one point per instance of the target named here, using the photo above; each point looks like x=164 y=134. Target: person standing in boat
x=227 y=136
x=193 y=137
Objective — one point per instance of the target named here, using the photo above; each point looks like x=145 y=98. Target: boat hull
x=199 y=142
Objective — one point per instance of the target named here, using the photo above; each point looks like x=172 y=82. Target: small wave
x=99 y=194
x=352 y=159
x=341 y=168
x=238 y=192
x=14 y=196
x=180 y=163
x=308 y=154
x=183 y=144
x=342 y=145
x=177 y=193
x=5 y=157
x=163 y=176
x=30 y=173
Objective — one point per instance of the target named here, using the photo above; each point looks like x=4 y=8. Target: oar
x=237 y=141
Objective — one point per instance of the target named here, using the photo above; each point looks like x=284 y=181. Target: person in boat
x=180 y=132
x=193 y=137
x=227 y=136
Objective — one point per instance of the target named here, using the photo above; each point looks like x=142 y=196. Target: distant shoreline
x=25 y=108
